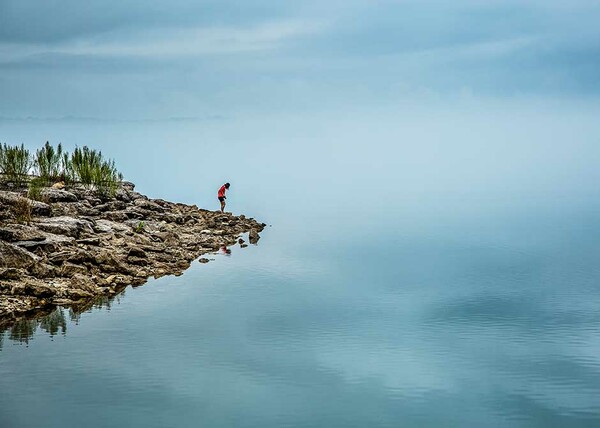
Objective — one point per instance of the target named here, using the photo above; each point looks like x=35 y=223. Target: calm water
x=485 y=321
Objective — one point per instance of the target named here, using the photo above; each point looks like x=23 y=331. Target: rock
x=71 y=269
x=136 y=252
x=243 y=245
x=124 y=195
x=73 y=255
x=42 y=270
x=104 y=226
x=93 y=244
x=253 y=236
x=89 y=241
x=128 y=185
x=116 y=216
x=12 y=198
x=148 y=205
x=57 y=195
x=12 y=256
x=20 y=232
x=11 y=273
x=50 y=244
x=63 y=225
x=84 y=283
x=109 y=262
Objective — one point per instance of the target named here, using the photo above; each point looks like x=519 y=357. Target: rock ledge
x=75 y=246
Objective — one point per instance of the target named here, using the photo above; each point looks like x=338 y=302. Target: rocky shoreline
x=75 y=245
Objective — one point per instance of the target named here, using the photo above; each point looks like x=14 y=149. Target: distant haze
x=329 y=107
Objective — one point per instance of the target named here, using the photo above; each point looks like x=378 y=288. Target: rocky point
x=76 y=245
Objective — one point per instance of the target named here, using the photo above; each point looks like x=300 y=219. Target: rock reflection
x=51 y=320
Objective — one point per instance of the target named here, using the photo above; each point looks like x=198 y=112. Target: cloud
x=170 y=42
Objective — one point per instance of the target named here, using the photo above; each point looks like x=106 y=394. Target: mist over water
x=423 y=268
x=429 y=175
x=385 y=161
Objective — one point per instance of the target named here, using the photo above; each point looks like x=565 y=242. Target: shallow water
x=489 y=321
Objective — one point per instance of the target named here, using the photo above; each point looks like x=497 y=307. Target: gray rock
x=253 y=236
x=12 y=198
x=73 y=255
x=68 y=226
x=20 y=232
x=83 y=283
x=15 y=257
x=117 y=216
x=68 y=257
x=89 y=241
x=70 y=269
x=58 y=195
x=128 y=186
x=42 y=270
x=148 y=205
x=136 y=252
x=11 y=273
x=51 y=244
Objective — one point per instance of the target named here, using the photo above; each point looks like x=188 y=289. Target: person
x=221 y=195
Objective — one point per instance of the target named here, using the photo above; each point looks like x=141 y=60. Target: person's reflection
x=224 y=250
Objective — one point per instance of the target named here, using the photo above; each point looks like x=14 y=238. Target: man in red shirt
x=221 y=195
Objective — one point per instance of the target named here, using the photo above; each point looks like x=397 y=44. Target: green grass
x=15 y=162
x=47 y=163
x=84 y=166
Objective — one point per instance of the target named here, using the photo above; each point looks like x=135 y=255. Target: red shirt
x=222 y=191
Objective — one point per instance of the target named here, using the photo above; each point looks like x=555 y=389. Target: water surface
x=490 y=321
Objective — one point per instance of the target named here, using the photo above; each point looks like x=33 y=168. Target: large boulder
x=58 y=195
x=20 y=232
x=12 y=256
x=253 y=236
x=12 y=199
x=70 y=269
x=64 y=225
x=50 y=244
x=148 y=205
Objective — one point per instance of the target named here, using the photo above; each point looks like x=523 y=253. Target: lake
x=481 y=318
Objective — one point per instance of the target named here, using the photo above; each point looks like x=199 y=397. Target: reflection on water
x=52 y=320
x=23 y=329
x=495 y=327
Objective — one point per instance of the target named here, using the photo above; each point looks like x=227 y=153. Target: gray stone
x=57 y=195
x=71 y=269
x=64 y=225
x=253 y=236
x=16 y=257
x=20 y=232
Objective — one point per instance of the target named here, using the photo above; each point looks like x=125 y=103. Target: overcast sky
x=193 y=58
x=428 y=97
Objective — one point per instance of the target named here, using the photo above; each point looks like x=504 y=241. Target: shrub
x=47 y=163
x=34 y=192
x=94 y=172
x=84 y=161
x=21 y=209
x=84 y=165
x=15 y=163
x=67 y=174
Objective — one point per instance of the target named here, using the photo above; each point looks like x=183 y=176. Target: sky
x=386 y=98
